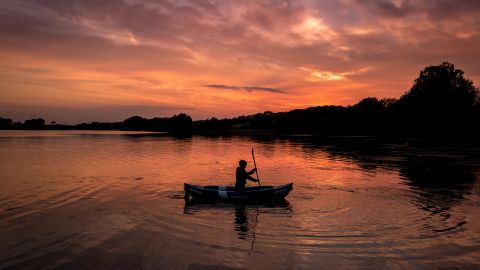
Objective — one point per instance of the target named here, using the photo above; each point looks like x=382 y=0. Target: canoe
x=228 y=193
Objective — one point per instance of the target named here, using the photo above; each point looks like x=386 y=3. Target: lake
x=114 y=200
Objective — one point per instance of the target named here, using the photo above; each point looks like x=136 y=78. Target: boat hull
x=228 y=193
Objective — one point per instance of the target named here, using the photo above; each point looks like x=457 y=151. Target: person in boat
x=242 y=175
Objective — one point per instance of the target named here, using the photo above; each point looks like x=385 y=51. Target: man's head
x=242 y=163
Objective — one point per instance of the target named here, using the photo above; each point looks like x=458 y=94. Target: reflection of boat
x=281 y=206
x=246 y=214
x=228 y=193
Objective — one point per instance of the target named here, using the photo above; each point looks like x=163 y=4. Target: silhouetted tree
x=440 y=87
x=440 y=101
x=214 y=125
x=180 y=123
x=38 y=123
x=5 y=122
x=135 y=123
x=365 y=117
x=98 y=126
x=388 y=102
x=17 y=125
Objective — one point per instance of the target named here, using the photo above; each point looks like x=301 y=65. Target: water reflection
x=72 y=199
x=241 y=221
x=449 y=171
x=439 y=175
x=246 y=216
x=439 y=178
x=441 y=184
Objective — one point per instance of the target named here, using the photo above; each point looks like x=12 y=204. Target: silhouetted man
x=242 y=175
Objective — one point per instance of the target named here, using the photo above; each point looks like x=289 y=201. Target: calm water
x=114 y=200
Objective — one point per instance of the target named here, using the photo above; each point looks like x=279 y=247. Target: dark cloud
x=433 y=9
x=266 y=89
x=245 y=88
x=221 y=86
x=387 y=8
x=447 y=9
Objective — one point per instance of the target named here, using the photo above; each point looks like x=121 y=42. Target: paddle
x=255 y=164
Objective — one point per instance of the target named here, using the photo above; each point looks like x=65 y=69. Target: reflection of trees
x=442 y=183
x=367 y=152
x=449 y=171
x=169 y=136
x=438 y=175
x=439 y=178
x=442 y=171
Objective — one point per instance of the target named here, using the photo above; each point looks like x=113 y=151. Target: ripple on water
x=96 y=199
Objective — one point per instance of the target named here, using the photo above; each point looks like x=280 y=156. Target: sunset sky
x=89 y=60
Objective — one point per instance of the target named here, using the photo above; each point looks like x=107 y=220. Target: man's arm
x=251 y=178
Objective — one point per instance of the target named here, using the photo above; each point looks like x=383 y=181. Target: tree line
x=180 y=123
x=440 y=103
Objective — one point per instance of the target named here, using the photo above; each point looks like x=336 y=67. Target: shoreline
x=316 y=138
